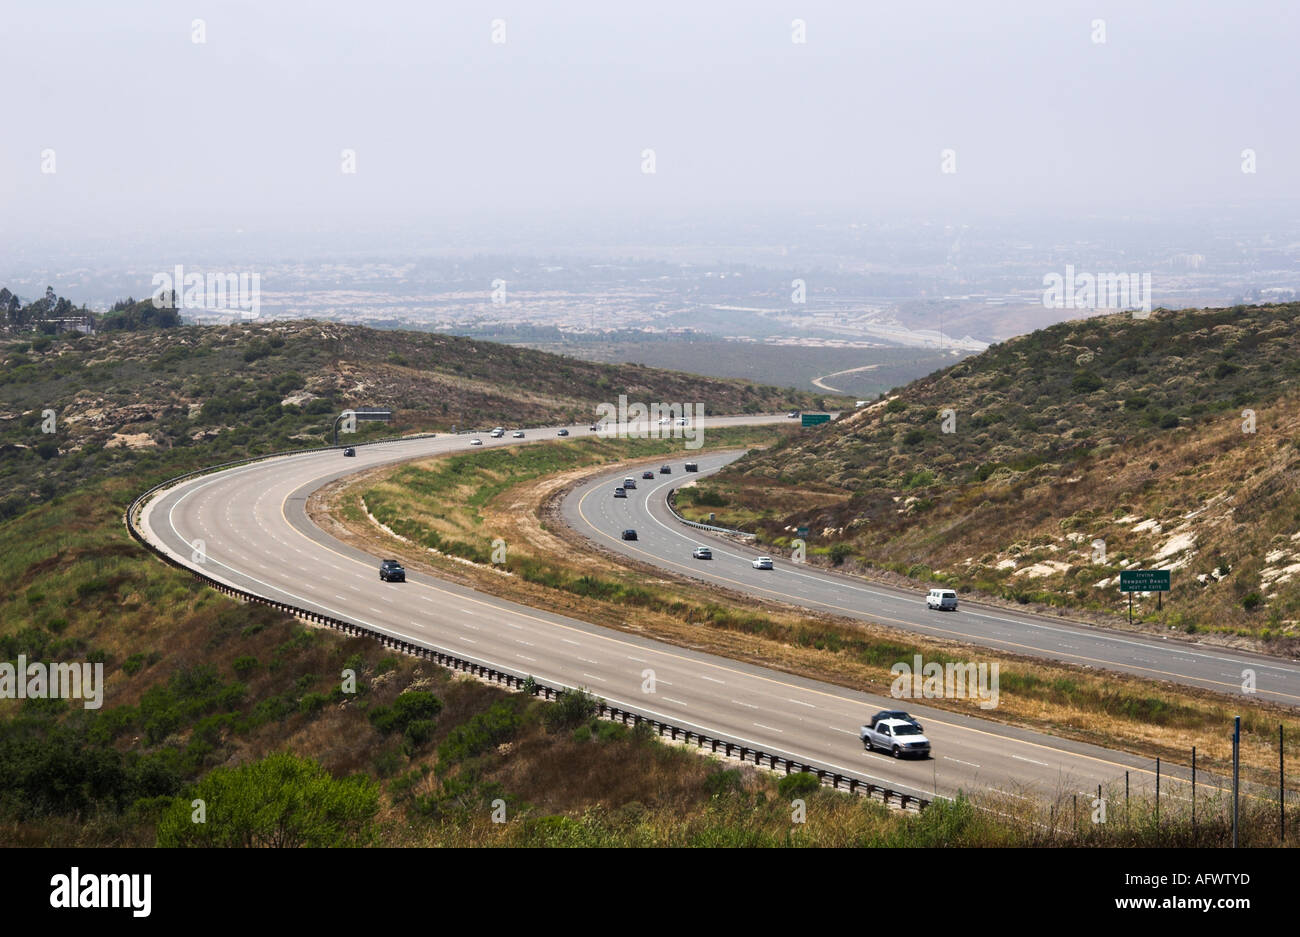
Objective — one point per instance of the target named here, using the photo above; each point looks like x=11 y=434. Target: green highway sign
x=812 y=419
x=1144 y=580
x=802 y=531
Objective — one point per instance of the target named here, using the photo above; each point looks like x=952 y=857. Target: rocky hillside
x=1039 y=469
x=221 y=391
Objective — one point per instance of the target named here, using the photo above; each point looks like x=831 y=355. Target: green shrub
x=572 y=709
x=797 y=785
x=723 y=782
x=411 y=706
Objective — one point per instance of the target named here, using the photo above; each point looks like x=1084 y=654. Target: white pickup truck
x=899 y=737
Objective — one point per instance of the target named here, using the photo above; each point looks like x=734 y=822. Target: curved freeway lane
x=256 y=536
x=667 y=543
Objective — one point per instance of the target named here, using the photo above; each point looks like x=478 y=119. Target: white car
x=763 y=562
x=899 y=737
x=497 y=433
x=518 y=434
x=945 y=600
x=476 y=442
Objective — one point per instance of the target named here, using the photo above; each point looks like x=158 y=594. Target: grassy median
x=445 y=514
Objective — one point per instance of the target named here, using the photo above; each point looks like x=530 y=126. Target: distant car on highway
x=895 y=736
x=392 y=571
x=763 y=562
x=681 y=421
x=349 y=451
x=518 y=434
x=620 y=493
x=692 y=466
x=702 y=553
x=497 y=433
x=593 y=427
x=945 y=600
x=563 y=432
x=629 y=534
x=665 y=470
x=894 y=714
x=793 y=415
x=648 y=474
x=476 y=442
x=629 y=482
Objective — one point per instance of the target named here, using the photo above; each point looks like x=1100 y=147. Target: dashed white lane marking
x=713 y=679
x=669 y=699
x=769 y=728
x=592 y=676
x=743 y=703
x=800 y=702
x=960 y=762
x=1030 y=760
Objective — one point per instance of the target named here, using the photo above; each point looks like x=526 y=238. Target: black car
x=692 y=466
x=894 y=714
x=392 y=571
x=563 y=432
x=629 y=534
x=349 y=451
x=665 y=470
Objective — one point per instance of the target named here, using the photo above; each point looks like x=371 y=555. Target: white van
x=945 y=600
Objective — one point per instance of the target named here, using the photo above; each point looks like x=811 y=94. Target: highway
x=667 y=543
x=256 y=536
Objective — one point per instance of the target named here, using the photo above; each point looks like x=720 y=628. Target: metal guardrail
x=672 y=492
x=514 y=681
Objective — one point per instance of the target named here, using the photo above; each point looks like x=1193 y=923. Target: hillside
x=1117 y=429
x=205 y=394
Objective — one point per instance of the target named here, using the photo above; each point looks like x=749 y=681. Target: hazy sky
x=152 y=130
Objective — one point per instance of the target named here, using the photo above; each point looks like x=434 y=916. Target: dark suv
x=392 y=571
x=349 y=451
x=894 y=714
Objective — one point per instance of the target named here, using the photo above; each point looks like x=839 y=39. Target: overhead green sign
x=1144 y=580
x=812 y=419
x=802 y=531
